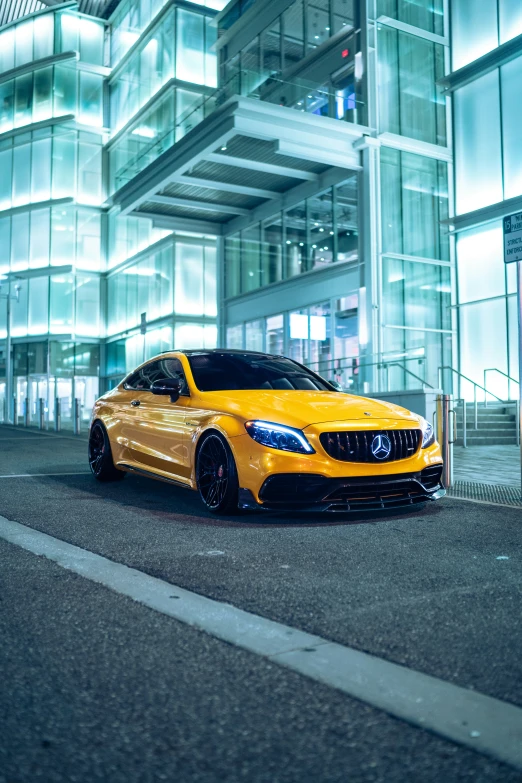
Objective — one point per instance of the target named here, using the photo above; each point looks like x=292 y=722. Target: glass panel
x=480 y=262
x=24 y=42
x=414 y=201
x=69 y=32
x=43 y=105
x=22 y=175
x=513 y=345
x=61 y=304
x=43 y=31
x=511 y=124
x=64 y=90
x=38 y=305
x=5 y=242
x=410 y=103
x=87 y=304
x=274 y=334
x=343 y=14
x=7 y=50
x=19 y=314
x=510 y=19
x=89 y=173
x=235 y=336
x=346 y=223
x=299 y=323
x=62 y=236
x=297 y=244
x=23 y=100
x=91 y=41
x=483 y=343
x=91 y=99
x=251 y=258
x=254 y=335
x=426 y=14
x=210 y=281
x=40 y=238
x=88 y=240
x=64 y=166
x=188 y=286
x=474 y=30
x=232 y=265
x=321 y=230
x=318 y=22
x=320 y=351
x=271 y=43
x=20 y=241
x=477 y=139
x=293 y=35
x=416 y=294
x=190 y=64
x=272 y=251
x=6 y=105
x=41 y=170
x=6 y=167
x=421 y=352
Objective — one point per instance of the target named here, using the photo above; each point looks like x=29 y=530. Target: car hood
x=303 y=408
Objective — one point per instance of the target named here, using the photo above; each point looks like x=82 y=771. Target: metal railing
x=354 y=366
x=475 y=387
x=486 y=392
x=501 y=372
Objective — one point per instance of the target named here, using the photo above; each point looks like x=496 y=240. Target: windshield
x=229 y=371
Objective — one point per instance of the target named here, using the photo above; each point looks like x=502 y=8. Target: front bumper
x=313 y=492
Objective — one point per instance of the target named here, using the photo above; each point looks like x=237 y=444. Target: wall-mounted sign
x=513 y=238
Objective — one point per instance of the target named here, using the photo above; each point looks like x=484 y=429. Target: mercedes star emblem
x=381 y=447
x=367 y=413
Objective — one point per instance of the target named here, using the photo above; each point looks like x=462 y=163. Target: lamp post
x=9 y=297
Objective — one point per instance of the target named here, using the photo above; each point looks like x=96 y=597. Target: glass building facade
x=488 y=185
x=273 y=176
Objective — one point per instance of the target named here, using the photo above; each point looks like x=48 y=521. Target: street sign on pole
x=512 y=254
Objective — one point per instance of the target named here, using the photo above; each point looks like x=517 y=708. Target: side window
x=173 y=368
x=141 y=380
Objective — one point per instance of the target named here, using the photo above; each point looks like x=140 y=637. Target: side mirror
x=337 y=386
x=171 y=386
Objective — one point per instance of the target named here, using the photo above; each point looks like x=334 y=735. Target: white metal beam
x=207 y=206
x=257 y=165
x=226 y=187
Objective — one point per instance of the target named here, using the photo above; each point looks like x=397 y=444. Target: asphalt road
x=96 y=687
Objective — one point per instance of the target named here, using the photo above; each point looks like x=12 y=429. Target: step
x=503 y=441
x=489 y=425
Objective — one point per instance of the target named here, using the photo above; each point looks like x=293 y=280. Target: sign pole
x=513 y=254
x=519 y=310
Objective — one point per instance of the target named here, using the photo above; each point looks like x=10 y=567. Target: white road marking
x=487 y=725
x=37 y=475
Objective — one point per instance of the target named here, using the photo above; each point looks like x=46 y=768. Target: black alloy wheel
x=100 y=455
x=216 y=475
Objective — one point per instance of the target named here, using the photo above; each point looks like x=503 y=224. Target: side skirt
x=152 y=475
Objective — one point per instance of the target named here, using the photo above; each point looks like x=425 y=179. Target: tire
x=100 y=455
x=216 y=475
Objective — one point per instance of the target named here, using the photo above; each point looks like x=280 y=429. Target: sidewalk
x=487 y=473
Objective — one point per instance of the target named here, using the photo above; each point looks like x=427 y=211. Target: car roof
x=221 y=351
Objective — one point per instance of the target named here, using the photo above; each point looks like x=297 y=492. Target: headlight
x=428 y=435
x=277 y=436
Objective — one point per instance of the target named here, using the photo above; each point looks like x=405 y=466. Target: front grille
x=354 y=446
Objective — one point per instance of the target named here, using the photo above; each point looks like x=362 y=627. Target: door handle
x=135 y=403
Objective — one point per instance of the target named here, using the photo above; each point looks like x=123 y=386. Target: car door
x=153 y=426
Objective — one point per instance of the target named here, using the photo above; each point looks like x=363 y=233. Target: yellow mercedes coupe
x=250 y=430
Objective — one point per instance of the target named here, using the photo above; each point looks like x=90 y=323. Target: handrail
x=417 y=377
x=475 y=384
x=501 y=372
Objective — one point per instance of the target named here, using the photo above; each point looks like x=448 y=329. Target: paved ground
x=98 y=688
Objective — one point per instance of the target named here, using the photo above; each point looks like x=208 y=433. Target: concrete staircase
x=496 y=425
